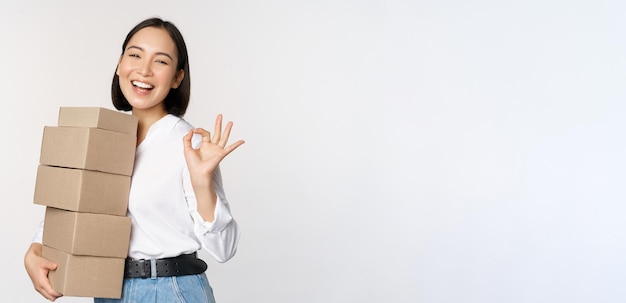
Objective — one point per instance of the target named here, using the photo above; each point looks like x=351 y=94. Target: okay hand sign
x=203 y=160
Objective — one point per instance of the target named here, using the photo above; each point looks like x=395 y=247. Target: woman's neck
x=146 y=120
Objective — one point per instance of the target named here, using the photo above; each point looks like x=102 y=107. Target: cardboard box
x=88 y=148
x=86 y=234
x=82 y=190
x=85 y=276
x=98 y=117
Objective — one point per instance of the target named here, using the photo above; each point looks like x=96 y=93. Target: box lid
x=98 y=117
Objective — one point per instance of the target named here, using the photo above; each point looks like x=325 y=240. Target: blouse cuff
x=221 y=219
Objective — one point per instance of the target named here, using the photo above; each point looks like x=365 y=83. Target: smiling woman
x=148 y=71
x=177 y=202
x=165 y=43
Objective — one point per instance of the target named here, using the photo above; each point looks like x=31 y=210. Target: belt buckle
x=144 y=269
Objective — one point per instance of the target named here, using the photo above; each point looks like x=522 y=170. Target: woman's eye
x=134 y=55
x=161 y=62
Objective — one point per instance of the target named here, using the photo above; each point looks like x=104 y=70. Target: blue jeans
x=181 y=289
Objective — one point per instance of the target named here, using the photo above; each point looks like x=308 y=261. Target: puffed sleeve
x=220 y=237
x=39 y=233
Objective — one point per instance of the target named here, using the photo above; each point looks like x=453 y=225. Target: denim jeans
x=182 y=289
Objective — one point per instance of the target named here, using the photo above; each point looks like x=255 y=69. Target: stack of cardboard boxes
x=84 y=181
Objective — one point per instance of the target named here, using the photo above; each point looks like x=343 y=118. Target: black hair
x=177 y=99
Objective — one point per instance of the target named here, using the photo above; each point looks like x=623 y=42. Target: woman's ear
x=117 y=69
x=178 y=79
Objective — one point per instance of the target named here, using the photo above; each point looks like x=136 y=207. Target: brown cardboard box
x=82 y=190
x=86 y=234
x=84 y=179
x=85 y=276
x=88 y=148
x=98 y=117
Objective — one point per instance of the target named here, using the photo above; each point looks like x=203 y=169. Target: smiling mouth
x=142 y=85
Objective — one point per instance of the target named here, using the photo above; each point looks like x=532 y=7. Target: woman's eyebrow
x=158 y=53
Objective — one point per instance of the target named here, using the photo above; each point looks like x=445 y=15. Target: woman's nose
x=145 y=68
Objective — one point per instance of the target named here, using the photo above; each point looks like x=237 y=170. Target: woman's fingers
x=219 y=138
x=226 y=134
x=206 y=135
x=38 y=268
x=233 y=146
x=218 y=129
x=187 y=140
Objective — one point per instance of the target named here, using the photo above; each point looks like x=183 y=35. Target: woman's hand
x=204 y=160
x=38 y=269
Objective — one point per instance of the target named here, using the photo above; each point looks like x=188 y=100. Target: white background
x=397 y=151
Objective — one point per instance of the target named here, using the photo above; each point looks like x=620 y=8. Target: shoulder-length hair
x=177 y=99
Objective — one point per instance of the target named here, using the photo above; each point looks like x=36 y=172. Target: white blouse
x=162 y=203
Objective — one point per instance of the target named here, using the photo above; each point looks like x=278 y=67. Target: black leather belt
x=177 y=266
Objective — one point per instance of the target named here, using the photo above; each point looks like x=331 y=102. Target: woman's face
x=147 y=69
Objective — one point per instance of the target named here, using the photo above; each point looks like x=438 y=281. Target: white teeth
x=142 y=85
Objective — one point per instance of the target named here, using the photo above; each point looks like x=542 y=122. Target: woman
x=177 y=202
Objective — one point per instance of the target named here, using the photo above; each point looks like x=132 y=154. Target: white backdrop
x=397 y=151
